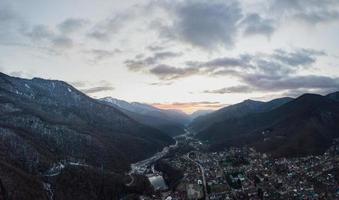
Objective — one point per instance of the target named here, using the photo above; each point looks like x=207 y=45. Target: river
x=141 y=166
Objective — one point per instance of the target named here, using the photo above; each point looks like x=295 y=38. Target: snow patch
x=27 y=86
x=69 y=89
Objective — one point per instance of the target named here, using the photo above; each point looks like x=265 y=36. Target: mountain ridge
x=236 y=110
x=305 y=125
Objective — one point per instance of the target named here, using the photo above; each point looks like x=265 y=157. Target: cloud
x=242 y=61
x=154 y=48
x=166 y=72
x=40 y=33
x=310 y=11
x=139 y=62
x=161 y=83
x=318 y=17
x=92 y=87
x=44 y=35
x=78 y=84
x=276 y=64
x=201 y=23
x=233 y=89
x=101 y=54
x=62 y=42
x=71 y=25
x=97 y=89
x=254 y=24
x=257 y=72
x=104 y=30
x=300 y=57
x=290 y=85
x=268 y=83
x=11 y=23
x=280 y=62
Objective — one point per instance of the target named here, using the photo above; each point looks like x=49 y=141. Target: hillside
x=302 y=126
x=45 y=122
x=235 y=111
x=163 y=120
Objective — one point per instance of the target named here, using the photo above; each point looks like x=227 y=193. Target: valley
x=244 y=173
x=58 y=143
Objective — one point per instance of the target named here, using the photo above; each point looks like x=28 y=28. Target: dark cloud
x=101 y=54
x=161 y=56
x=139 y=63
x=267 y=83
x=301 y=57
x=7 y=15
x=39 y=33
x=97 y=89
x=11 y=23
x=154 y=48
x=62 y=42
x=254 y=24
x=166 y=72
x=224 y=62
x=161 y=83
x=292 y=85
x=301 y=5
x=45 y=36
x=319 y=16
x=99 y=35
x=78 y=84
x=105 y=29
x=233 y=89
x=257 y=72
x=310 y=11
x=202 y=23
x=279 y=63
x=71 y=25
x=90 y=87
x=298 y=92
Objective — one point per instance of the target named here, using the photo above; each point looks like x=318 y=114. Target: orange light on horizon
x=189 y=107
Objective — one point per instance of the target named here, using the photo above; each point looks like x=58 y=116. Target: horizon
x=157 y=52
x=185 y=107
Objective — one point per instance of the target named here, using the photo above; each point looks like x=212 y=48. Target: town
x=243 y=173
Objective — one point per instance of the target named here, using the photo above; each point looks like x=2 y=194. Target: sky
x=178 y=54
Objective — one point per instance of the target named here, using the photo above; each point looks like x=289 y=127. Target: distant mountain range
x=171 y=122
x=45 y=122
x=234 y=111
x=282 y=127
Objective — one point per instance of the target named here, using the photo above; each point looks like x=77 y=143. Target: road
x=202 y=174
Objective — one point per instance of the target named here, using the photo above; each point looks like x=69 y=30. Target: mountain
x=199 y=113
x=306 y=125
x=179 y=116
x=48 y=123
x=171 y=122
x=235 y=111
x=334 y=96
x=133 y=106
